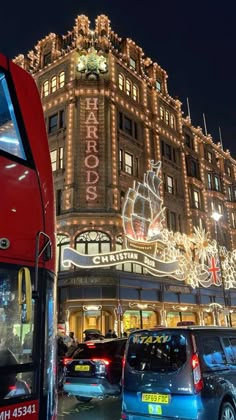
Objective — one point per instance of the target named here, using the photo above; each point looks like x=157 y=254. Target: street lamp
x=216 y=217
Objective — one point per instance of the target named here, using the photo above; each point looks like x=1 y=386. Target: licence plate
x=156 y=398
x=82 y=368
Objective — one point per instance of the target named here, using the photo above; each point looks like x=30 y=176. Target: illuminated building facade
x=108 y=114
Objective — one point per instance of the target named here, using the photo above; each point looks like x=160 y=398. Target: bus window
x=10 y=139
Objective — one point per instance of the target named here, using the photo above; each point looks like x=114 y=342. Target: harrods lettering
x=91 y=160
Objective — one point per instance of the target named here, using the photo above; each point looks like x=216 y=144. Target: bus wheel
x=85 y=399
x=227 y=412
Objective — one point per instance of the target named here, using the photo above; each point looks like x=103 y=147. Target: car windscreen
x=92 y=350
x=157 y=351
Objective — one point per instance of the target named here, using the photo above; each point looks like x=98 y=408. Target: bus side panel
x=32 y=113
x=21 y=211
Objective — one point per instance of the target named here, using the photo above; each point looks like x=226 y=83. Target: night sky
x=194 y=41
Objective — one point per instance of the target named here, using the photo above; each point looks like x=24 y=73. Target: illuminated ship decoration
x=143 y=213
x=194 y=259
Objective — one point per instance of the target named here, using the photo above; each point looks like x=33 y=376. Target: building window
x=209 y=157
x=167 y=116
x=217 y=183
x=135 y=93
x=63 y=242
x=171 y=220
x=52 y=123
x=188 y=141
x=58 y=202
x=61 y=79
x=93 y=242
x=53 y=84
x=196 y=199
x=128 y=87
x=128 y=125
x=166 y=150
x=121 y=161
x=158 y=86
x=209 y=181
x=172 y=121
x=230 y=194
x=161 y=113
x=128 y=163
x=61 y=153
x=61 y=118
x=53 y=155
x=220 y=208
x=233 y=220
x=47 y=58
x=170 y=184
x=121 y=81
x=135 y=130
x=192 y=167
x=133 y=63
x=228 y=170
x=46 y=88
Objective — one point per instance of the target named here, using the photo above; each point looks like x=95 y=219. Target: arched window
x=63 y=241
x=167 y=117
x=135 y=93
x=61 y=79
x=93 y=242
x=161 y=113
x=128 y=87
x=54 y=84
x=172 y=121
x=46 y=88
x=121 y=82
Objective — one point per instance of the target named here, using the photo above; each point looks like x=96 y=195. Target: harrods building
x=110 y=120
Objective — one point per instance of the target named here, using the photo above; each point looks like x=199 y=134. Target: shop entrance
x=140 y=319
x=82 y=320
x=174 y=317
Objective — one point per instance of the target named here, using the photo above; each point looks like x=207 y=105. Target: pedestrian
x=109 y=334
x=72 y=337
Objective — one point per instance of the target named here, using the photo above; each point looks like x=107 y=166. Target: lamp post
x=216 y=217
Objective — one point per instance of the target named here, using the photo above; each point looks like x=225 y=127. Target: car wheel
x=83 y=399
x=227 y=412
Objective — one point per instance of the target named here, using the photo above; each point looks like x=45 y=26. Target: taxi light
x=197 y=375
x=105 y=361
x=67 y=360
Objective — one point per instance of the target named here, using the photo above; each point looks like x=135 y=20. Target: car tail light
x=67 y=360
x=91 y=345
x=197 y=376
x=12 y=388
x=123 y=416
x=123 y=368
x=104 y=361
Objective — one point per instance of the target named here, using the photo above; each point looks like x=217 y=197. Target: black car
x=94 y=371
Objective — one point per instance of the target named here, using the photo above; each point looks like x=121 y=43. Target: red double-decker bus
x=27 y=253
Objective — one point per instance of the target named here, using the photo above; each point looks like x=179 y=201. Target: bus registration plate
x=82 y=368
x=156 y=398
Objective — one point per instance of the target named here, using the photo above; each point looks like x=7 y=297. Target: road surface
x=70 y=409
